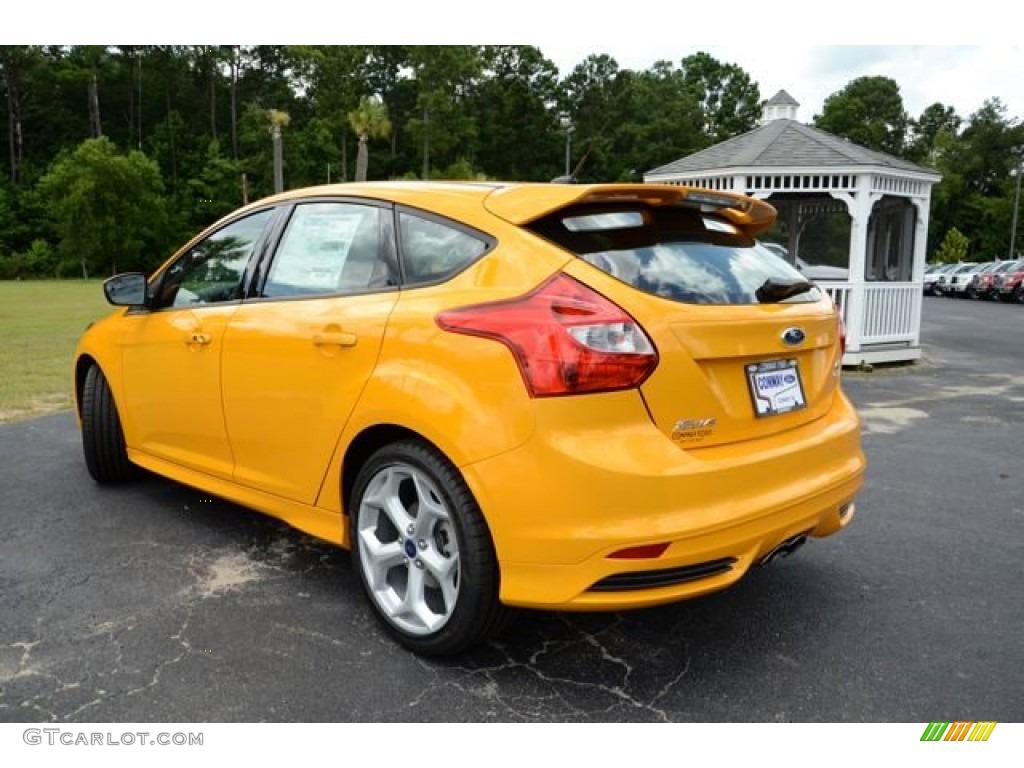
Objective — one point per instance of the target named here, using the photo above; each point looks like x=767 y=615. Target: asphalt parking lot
x=154 y=603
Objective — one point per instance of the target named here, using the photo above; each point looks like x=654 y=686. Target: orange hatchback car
x=566 y=397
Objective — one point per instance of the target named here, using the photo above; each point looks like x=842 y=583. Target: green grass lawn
x=41 y=321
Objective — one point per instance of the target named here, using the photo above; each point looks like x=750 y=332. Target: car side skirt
x=321 y=523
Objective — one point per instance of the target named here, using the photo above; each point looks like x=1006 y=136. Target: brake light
x=842 y=336
x=566 y=338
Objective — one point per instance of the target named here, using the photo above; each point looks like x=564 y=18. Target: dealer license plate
x=775 y=387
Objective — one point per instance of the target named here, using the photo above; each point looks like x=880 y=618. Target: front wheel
x=422 y=550
x=103 y=444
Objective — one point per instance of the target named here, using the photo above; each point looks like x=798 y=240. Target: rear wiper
x=772 y=292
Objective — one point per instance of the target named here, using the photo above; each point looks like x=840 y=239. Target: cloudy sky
x=956 y=53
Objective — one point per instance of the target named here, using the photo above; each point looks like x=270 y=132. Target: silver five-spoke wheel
x=410 y=552
x=422 y=549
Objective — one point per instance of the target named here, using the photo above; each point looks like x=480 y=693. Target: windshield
x=682 y=254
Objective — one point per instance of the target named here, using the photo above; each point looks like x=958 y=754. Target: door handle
x=334 y=338
x=198 y=338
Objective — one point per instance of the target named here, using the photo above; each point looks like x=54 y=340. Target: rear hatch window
x=683 y=254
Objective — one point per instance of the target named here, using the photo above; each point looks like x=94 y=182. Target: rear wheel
x=422 y=550
x=102 y=436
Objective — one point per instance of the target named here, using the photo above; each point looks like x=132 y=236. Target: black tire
x=1018 y=295
x=102 y=437
x=475 y=613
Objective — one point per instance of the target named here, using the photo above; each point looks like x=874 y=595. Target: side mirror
x=127 y=290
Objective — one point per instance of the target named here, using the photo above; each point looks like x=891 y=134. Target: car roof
x=522 y=202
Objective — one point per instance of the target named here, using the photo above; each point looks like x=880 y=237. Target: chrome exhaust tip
x=785 y=549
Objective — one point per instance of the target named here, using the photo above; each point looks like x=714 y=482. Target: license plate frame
x=775 y=387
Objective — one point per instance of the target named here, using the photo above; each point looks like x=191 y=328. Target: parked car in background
x=932 y=275
x=942 y=281
x=1010 y=286
x=956 y=285
x=810 y=271
x=554 y=396
x=983 y=285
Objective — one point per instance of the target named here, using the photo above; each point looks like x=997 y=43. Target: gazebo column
x=859 y=205
x=922 y=206
x=859 y=217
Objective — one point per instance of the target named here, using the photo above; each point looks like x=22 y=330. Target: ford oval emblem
x=793 y=336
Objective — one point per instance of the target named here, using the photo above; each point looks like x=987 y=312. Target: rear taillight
x=842 y=336
x=567 y=338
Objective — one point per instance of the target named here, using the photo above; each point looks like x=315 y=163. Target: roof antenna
x=572 y=177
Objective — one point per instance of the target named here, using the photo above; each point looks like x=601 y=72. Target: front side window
x=682 y=254
x=213 y=270
x=330 y=249
x=433 y=251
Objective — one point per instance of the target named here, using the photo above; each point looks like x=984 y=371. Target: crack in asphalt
x=558 y=688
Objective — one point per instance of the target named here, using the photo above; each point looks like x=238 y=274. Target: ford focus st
x=553 y=396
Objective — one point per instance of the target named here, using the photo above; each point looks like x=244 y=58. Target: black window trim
x=490 y=241
x=267 y=258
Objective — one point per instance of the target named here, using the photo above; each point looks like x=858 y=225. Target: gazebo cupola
x=781 y=106
x=852 y=219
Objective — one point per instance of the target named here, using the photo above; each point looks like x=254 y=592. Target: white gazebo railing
x=890 y=314
x=840 y=293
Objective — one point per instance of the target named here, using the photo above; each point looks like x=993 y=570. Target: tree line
x=116 y=154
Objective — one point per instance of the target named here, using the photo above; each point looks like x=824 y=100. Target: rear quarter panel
x=464 y=394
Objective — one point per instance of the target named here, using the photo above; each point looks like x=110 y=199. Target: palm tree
x=369 y=121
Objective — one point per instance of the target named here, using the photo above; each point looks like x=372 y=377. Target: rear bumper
x=563 y=503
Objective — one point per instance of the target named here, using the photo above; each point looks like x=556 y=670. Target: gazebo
x=821 y=184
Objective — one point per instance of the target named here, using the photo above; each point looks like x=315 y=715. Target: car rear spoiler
x=524 y=203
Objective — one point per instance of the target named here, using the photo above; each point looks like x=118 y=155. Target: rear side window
x=433 y=251
x=682 y=254
x=329 y=249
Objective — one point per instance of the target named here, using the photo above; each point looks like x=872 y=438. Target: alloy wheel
x=409 y=552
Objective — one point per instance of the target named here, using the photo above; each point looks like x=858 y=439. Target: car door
x=172 y=351
x=296 y=357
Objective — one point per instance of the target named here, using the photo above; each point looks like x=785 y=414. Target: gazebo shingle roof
x=784 y=144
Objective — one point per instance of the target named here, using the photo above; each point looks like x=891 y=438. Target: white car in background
x=810 y=271
x=935 y=276
x=957 y=281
